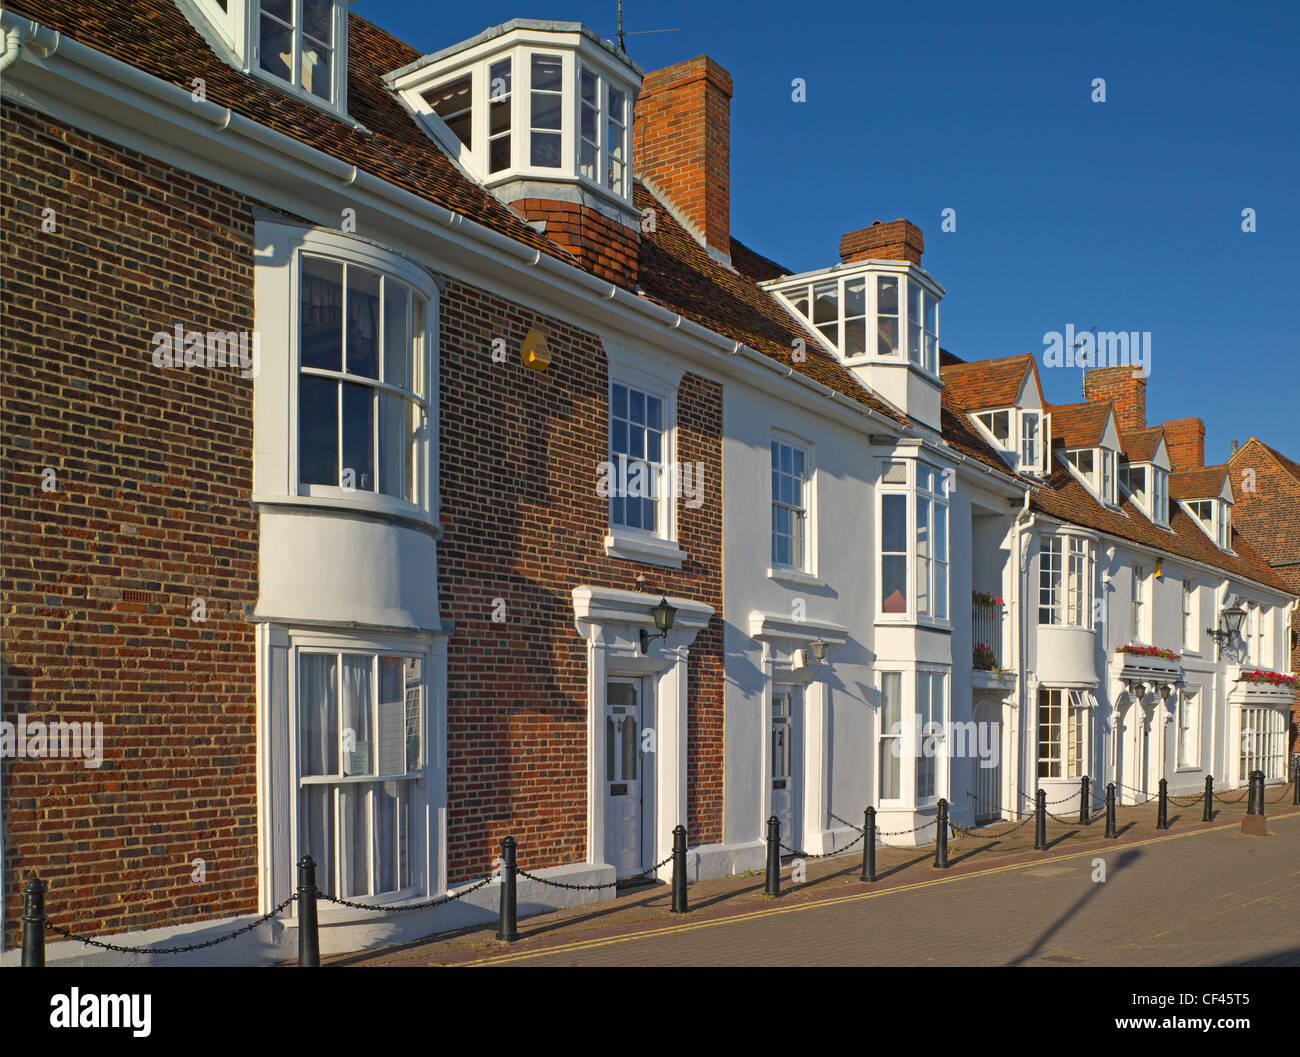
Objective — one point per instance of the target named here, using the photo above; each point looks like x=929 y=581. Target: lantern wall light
x=663 y=614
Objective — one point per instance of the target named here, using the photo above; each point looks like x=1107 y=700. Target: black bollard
x=1295 y=784
x=679 y=869
x=1083 y=801
x=1162 y=805
x=509 y=916
x=34 y=923
x=1208 y=814
x=941 y=836
x=773 y=857
x=1111 y=830
x=869 y=845
x=1255 y=805
x=1040 y=820
x=308 y=929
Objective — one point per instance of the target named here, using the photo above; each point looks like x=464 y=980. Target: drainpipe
x=13 y=49
x=1023 y=524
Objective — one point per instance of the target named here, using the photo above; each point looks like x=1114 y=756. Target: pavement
x=1196 y=894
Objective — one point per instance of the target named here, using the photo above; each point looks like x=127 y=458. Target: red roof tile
x=1204 y=483
x=987 y=384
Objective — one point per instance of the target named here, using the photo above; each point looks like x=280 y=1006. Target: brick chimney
x=897 y=240
x=1185 y=440
x=681 y=144
x=1126 y=388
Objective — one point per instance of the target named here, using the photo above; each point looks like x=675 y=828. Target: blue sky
x=1124 y=215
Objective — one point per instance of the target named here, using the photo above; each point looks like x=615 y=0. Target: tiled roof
x=1141 y=445
x=1080 y=425
x=987 y=384
x=155 y=37
x=1291 y=467
x=754 y=265
x=1205 y=483
x=677 y=273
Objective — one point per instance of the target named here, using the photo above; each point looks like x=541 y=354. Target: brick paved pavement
x=1202 y=894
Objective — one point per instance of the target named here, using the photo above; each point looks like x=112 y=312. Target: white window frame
x=278 y=306
x=807 y=553
x=891 y=739
x=986 y=419
x=338 y=48
x=428 y=783
x=1067 y=750
x=1191 y=598
x=936 y=499
x=932 y=725
x=1160 y=496
x=1263 y=743
x=1051 y=595
x=659 y=547
x=1030 y=439
x=1188 y=735
x=1138 y=603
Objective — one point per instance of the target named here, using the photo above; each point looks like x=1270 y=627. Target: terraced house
x=402 y=453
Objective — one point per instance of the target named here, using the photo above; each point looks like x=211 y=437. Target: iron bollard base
x=1254 y=826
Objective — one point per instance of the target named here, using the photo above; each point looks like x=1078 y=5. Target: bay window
x=1049 y=581
x=360 y=761
x=913 y=541
x=362 y=403
x=1065 y=582
x=1263 y=743
x=1062 y=726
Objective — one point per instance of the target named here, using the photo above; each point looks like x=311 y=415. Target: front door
x=624 y=781
x=786 y=804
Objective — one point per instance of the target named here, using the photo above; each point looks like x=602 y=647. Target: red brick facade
x=604 y=246
x=897 y=240
x=523 y=522
x=151 y=510
x=1126 y=389
x=153 y=469
x=682 y=143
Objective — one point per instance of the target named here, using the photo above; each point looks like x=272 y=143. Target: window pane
x=546 y=150
x=546 y=111
x=318 y=707
x=359 y=435
x=887 y=337
x=357 y=711
x=893 y=523
x=855 y=297
x=547 y=74
x=318 y=430
x=384 y=851
x=397 y=334
x=316 y=19
x=321 y=314
x=392 y=716
x=276 y=49
x=418 y=310
x=363 y=322
x=281 y=9
x=855 y=337
x=893 y=585
x=318 y=832
x=354 y=825
x=894 y=473
x=826 y=302
x=886 y=296
x=395 y=418
x=414 y=714
x=499 y=153
x=315 y=74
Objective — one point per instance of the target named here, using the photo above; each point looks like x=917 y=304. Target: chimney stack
x=1234 y=449
x=897 y=240
x=1185 y=439
x=1123 y=386
x=682 y=146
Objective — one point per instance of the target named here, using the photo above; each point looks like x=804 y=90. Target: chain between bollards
x=773 y=888
x=679 y=869
x=1162 y=805
x=308 y=928
x=34 y=923
x=1040 y=820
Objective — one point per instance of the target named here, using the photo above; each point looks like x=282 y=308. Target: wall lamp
x=818 y=649
x=1231 y=619
x=664 y=615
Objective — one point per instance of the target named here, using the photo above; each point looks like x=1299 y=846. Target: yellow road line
x=754 y=915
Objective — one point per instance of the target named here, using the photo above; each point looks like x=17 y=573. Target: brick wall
x=604 y=246
x=523 y=522
x=1126 y=388
x=1185 y=442
x=682 y=142
x=897 y=240
x=1266 y=510
x=153 y=471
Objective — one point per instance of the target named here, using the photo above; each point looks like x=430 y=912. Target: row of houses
x=535 y=503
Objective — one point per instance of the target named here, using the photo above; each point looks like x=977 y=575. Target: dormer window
x=860 y=314
x=1029 y=429
x=1149 y=487
x=1096 y=466
x=1215 y=518
x=998 y=423
x=531 y=101
x=296 y=44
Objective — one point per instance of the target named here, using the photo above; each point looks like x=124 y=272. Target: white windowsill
x=641 y=547
x=795 y=577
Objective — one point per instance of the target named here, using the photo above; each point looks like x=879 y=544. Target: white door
x=786 y=758
x=624 y=781
x=988 y=780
